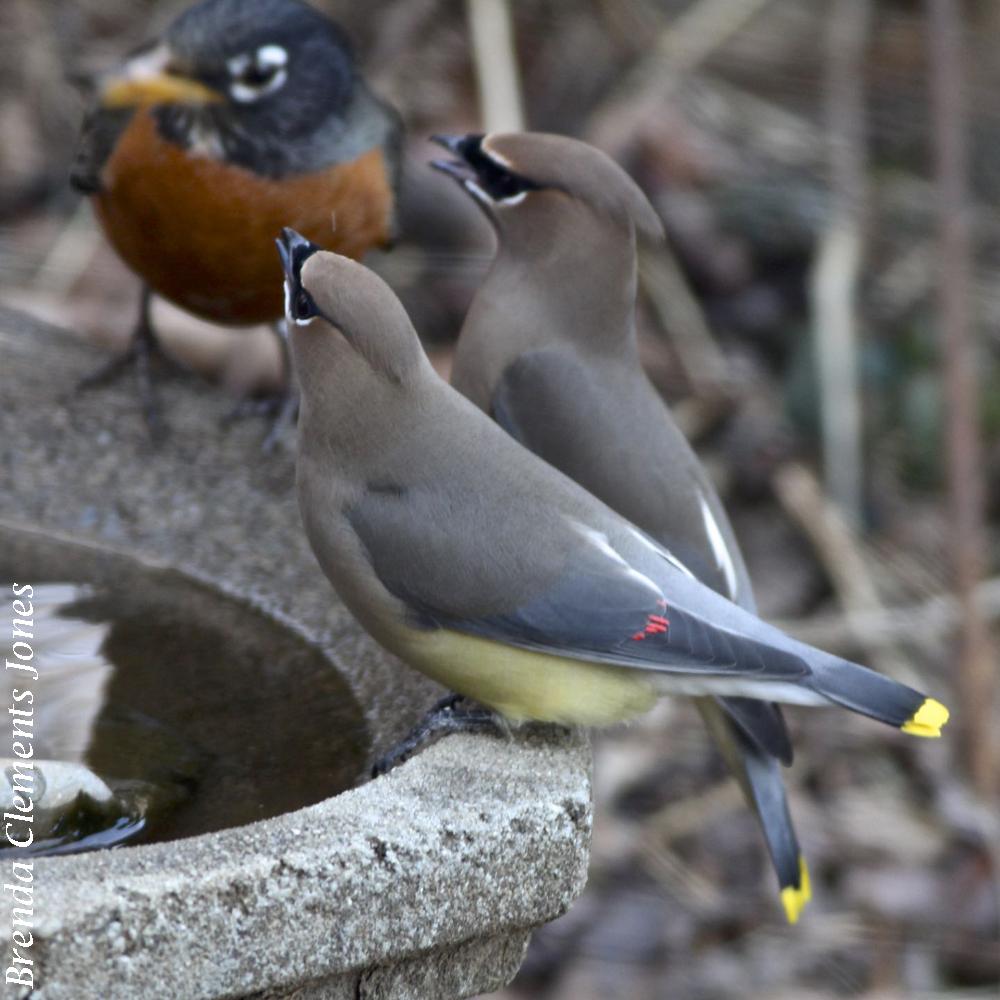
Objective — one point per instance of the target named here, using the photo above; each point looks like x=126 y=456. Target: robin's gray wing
x=101 y=131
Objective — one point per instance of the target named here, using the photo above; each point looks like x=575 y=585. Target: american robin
x=489 y=570
x=558 y=367
x=248 y=115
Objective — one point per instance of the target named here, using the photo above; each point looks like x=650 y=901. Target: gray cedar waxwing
x=477 y=563
x=549 y=349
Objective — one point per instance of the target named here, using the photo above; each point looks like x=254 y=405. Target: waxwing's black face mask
x=476 y=166
x=295 y=250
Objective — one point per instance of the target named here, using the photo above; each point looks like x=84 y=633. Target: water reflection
x=164 y=710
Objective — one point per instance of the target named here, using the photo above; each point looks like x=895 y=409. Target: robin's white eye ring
x=255 y=76
x=272 y=55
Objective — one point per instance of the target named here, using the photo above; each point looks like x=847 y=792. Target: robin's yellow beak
x=149 y=78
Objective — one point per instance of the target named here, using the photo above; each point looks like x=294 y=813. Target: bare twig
x=746 y=123
x=676 y=877
x=683 y=46
x=495 y=60
x=834 y=284
x=914 y=623
x=70 y=255
x=837 y=547
x=693 y=814
x=838 y=264
x=679 y=819
x=679 y=315
x=701 y=29
x=976 y=675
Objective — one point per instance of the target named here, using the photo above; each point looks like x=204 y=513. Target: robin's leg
x=443 y=717
x=283 y=406
x=141 y=350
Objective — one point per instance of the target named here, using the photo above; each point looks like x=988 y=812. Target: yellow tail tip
x=928 y=720
x=795 y=898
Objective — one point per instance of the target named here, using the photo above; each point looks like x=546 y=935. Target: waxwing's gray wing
x=763 y=723
x=530 y=575
x=525 y=575
x=537 y=401
x=759 y=777
x=562 y=409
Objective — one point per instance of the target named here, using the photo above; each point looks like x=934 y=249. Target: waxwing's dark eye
x=505 y=184
x=497 y=180
x=302 y=307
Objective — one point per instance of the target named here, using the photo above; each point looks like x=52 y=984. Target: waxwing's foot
x=444 y=717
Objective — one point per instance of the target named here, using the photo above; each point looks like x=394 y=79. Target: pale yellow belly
x=521 y=684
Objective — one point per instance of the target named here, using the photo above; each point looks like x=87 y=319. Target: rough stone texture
x=424 y=883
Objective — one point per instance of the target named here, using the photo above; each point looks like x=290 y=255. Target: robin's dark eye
x=302 y=306
x=254 y=76
x=258 y=76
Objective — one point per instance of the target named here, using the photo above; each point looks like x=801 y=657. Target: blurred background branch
x=498 y=82
x=839 y=257
x=977 y=665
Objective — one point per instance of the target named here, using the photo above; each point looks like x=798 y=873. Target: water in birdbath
x=163 y=709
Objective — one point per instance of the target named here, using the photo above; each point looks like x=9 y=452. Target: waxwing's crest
x=352 y=299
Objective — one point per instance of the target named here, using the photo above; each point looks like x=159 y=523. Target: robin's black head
x=256 y=82
x=278 y=58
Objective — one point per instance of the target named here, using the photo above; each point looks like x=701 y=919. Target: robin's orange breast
x=201 y=232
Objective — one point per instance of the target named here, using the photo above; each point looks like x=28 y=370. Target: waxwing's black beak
x=457 y=145
x=460 y=145
x=294 y=250
x=458 y=169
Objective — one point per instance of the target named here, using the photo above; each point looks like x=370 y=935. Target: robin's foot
x=141 y=354
x=444 y=717
x=281 y=407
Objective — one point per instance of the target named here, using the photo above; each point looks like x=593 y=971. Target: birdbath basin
x=288 y=873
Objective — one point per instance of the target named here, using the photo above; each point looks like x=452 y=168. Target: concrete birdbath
x=263 y=883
